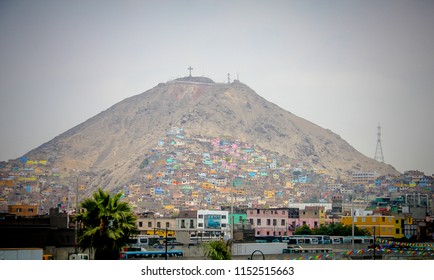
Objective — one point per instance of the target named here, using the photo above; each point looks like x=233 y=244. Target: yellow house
x=207 y=185
x=239 y=191
x=169 y=207
x=380 y=226
x=269 y=194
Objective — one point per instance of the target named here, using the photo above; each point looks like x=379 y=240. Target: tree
x=105 y=224
x=335 y=229
x=303 y=230
x=217 y=250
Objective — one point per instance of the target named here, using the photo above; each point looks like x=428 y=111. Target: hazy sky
x=344 y=65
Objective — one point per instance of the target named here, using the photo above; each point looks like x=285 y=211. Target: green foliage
x=304 y=230
x=106 y=224
x=335 y=229
x=217 y=250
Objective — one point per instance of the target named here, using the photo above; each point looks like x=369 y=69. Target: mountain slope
x=113 y=143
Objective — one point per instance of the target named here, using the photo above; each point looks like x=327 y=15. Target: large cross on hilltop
x=190 y=68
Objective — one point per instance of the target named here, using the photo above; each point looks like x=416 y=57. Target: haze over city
x=345 y=66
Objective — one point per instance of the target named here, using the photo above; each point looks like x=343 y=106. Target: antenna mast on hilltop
x=379 y=151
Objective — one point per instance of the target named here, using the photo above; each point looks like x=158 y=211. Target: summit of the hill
x=205 y=80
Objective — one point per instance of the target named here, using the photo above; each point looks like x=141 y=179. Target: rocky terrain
x=112 y=144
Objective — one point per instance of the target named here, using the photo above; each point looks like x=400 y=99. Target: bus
x=144 y=240
x=322 y=239
x=335 y=240
x=349 y=240
x=300 y=240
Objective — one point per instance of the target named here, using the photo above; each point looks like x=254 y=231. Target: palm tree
x=217 y=250
x=105 y=224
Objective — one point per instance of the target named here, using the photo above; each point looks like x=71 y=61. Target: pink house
x=284 y=221
x=272 y=222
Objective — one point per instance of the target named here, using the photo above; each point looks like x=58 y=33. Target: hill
x=113 y=144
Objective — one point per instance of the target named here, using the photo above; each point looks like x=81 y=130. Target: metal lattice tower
x=379 y=150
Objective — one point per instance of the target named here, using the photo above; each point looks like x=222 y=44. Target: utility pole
x=232 y=211
x=375 y=244
x=166 y=244
x=76 y=213
x=352 y=223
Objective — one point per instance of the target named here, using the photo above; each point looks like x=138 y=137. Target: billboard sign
x=212 y=221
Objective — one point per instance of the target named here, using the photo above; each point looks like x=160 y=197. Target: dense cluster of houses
x=189 y=174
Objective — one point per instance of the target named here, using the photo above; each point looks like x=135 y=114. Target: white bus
x=300 y=240
x=143 y=240
x=322 y=239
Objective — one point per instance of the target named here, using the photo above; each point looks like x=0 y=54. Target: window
x=397 y=231
x=191 y=224
x=167 y=225
x=251 y=221
x=274 y=222
x=223 y=217
x=282 y=222
x=30 y=210
x=200 y=216
x=149 y=224
x=258 y=222
x=182 y=223
x=200 y=225
x=158 y=224
x=140 y=224
x=223 y=225
x=268 y=222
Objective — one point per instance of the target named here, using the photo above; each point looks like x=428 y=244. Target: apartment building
x=363 y=178
x=270 y=222
x=151 y=224
x=380 y=226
